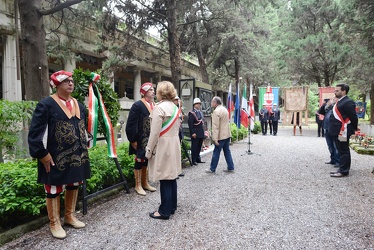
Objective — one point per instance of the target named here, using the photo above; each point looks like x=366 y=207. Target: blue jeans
x=168 y=192
x=334 y=154
x=225 y=145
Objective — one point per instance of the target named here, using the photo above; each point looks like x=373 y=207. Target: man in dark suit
x=273 y=119
x=263 y=116
x=343 y=123
x=196 y=127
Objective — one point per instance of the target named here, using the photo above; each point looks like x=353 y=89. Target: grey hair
x=217 y=99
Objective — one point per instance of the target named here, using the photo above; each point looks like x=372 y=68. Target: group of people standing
x=269 y=116
x=58 y=139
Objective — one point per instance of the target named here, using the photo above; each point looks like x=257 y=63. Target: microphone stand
x=249 y=140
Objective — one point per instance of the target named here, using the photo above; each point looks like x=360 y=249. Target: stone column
x=70 y=64
x=12 y=89
x=137 y=84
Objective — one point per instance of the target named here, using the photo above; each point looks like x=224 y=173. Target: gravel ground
x=280 y=197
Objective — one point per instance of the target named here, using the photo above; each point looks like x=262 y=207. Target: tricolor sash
x=170 y=122
x=95 y=102
x=339 y=117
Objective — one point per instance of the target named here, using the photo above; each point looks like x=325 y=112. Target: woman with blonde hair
x=163 y=149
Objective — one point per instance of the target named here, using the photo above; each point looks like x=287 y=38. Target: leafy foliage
x=256 y=128
x=238 y=134
x=13 y=116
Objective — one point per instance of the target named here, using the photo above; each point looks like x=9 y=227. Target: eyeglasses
x=68 y=81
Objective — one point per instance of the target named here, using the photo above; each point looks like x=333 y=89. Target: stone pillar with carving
x=12 y=89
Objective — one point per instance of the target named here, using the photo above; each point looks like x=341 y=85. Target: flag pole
x=251 y=118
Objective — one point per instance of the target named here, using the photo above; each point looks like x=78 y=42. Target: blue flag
x=237 y=108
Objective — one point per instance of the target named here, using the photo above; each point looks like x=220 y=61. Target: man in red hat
x=137 y=131
x=57 y=138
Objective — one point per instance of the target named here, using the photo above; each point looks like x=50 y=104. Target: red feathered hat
x=145 y=87
x=58 y=77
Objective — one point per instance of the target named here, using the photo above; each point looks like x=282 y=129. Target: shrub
x=256 y=128
x=23 y=199
x=13 y=116
x=238 y=134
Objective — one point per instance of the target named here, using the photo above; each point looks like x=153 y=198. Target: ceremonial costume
x=137 y=131
x=57 y=138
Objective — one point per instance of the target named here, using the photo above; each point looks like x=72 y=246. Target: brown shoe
x=338 y=174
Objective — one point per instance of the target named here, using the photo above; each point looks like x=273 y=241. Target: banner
x=296 y=99
x=325 y=93
x=360 y=109
x=268 y=96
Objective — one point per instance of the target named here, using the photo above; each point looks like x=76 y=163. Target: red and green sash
x=170 y=122
x=95 y=102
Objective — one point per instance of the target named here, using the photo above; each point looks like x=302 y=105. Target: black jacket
x=66 y=143
x=347 y=108
x=196 y=123
x=138 y=128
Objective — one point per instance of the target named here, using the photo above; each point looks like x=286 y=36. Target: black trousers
x=168 y=192
x=345 y=155
x=264 y=127
x=275 y=127
x=196 y=144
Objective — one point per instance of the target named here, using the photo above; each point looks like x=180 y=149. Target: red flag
x=251 y=104
x=244 y=110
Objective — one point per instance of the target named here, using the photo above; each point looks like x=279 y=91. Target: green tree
x=314 y=44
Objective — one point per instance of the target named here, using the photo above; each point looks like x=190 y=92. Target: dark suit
x=264 y=117
x=273 y=120
x=196 y=126
x=346 y=108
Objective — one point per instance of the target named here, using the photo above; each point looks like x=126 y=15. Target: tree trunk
x=33 y=41
x=201 y=57
x=173 y=39
x=237 y=71
x=372 y=103
x=202 y=65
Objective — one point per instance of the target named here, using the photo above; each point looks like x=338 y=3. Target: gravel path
x=282 y=197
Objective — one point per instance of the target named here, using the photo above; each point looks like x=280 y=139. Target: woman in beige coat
x=163 y=149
